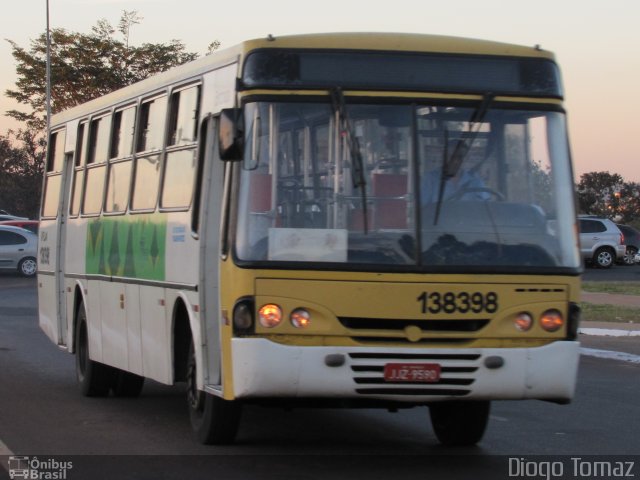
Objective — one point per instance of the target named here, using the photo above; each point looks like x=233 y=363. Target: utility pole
x=48 y=79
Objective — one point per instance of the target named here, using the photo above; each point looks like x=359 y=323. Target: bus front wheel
x=214 y=420
x=94 y=378
x=459 y=423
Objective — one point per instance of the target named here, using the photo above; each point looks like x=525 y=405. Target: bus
x=321 y=220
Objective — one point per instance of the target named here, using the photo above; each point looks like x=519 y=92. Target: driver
x=465 y=185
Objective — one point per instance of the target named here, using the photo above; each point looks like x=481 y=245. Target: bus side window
x=149 y=141
x=151 y=125
x=98 y=150
x=78 y=173
x=120 y=160
x=122 y=136
x=181 y=161
x=183 y=119
x=53 y=182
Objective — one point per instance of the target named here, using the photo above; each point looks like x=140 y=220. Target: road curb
x=609 y=332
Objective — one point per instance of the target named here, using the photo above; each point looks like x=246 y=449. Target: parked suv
x=601 y=242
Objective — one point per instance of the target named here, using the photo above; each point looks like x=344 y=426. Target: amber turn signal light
x=551 y=320
x=270 y=315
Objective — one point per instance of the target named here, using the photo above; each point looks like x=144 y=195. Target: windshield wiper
x=464 y=143
x=357 y=164
x=451 y=165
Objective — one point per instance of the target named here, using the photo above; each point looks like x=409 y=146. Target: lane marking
x=610 y=355
x=5 y=452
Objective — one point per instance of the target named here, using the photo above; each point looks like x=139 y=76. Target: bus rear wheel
x=214 y=420
x=459 y=423
x=94 y=378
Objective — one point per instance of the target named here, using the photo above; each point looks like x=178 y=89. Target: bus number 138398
x=461 y=302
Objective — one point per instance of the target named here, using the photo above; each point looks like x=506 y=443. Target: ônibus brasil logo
x=37 y=469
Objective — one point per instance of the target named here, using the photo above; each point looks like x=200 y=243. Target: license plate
x=412 y=372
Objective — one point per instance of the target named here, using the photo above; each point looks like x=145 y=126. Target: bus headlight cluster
x=550 y=321
x=523 y=321
x=300 y=318
x=270 y=315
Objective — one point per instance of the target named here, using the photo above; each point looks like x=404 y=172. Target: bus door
x=218 y=92
x=61 y=241
x=52 y=234
x=210 y=193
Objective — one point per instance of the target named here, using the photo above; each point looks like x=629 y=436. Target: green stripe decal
x=132 y=247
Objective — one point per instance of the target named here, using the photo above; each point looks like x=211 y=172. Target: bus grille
x=356 y=323
x=379 y=331
x=457 y=374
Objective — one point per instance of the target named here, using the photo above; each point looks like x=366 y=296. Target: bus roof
x=404 y=42
x=372 y=41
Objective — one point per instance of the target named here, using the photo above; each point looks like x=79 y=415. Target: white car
x=18 y=250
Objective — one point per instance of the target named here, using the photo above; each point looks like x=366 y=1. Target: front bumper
x=264 y=369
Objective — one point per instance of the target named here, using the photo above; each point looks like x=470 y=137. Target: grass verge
x=626 y=288
x=592 y=312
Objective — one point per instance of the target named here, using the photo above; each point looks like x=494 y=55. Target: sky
x=597 y=45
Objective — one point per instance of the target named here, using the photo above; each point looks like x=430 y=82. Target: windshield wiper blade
x=357 y=166
x=464 y=143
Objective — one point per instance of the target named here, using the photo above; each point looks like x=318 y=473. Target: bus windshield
x=476 y=186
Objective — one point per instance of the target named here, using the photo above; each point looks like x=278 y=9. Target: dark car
x=632 y=242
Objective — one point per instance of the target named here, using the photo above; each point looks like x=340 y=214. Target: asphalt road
x=617 y=273
x=43 y=414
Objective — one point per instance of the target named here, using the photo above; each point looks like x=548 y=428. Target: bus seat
x=390 y=213
x=260 y=196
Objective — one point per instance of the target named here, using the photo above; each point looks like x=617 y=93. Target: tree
x=213 y=46
x=83 y=67
x=628 y=200
x=608 y=195
x=86 y=66
x=21 y=164
x=596 y=191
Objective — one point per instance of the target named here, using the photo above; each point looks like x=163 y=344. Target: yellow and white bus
x=381 y=220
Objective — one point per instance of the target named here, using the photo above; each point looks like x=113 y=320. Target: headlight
x=523 y=321
x=300 y=318
x=270 y=315
x=551 y=320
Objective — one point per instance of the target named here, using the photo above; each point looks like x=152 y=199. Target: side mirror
x=230 y=134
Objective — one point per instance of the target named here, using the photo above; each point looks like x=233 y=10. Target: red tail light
x=621 y=239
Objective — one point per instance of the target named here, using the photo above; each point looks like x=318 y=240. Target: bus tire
x=95 y=379
x=127 y=384
x=214 y=420
x=459 y=423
